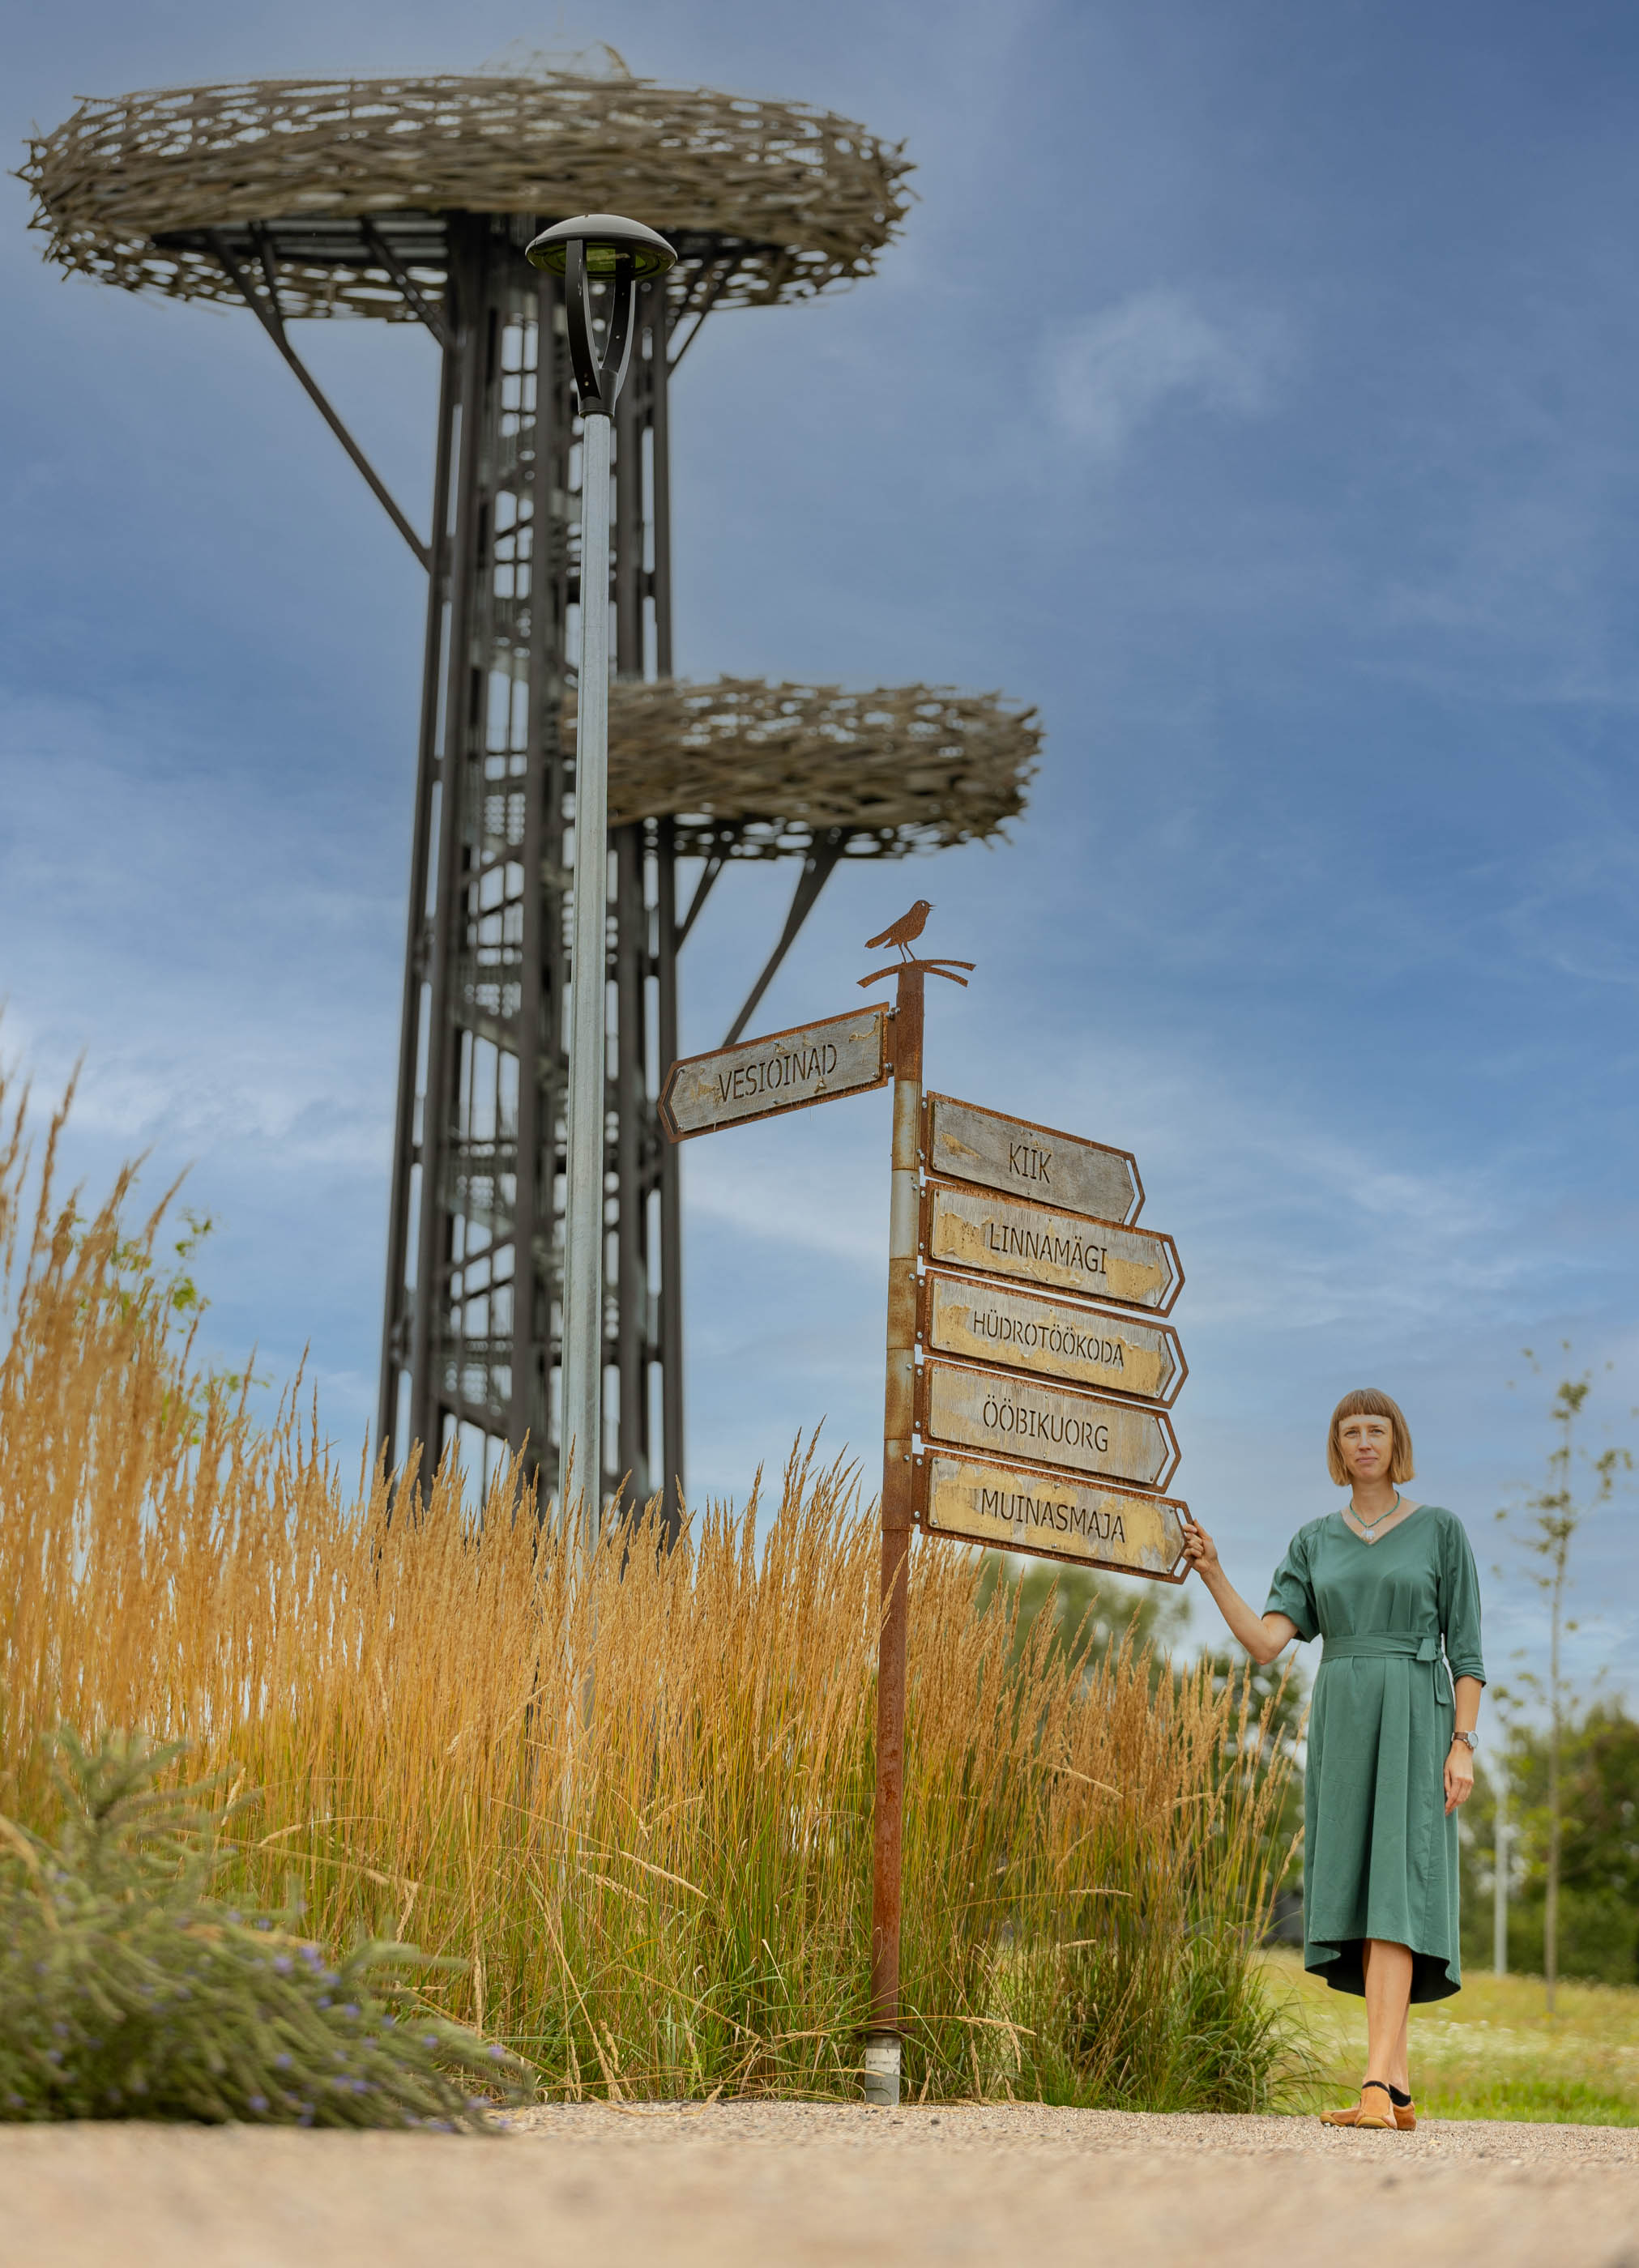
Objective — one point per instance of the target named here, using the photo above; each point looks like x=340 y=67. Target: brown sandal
x=1401 y=2116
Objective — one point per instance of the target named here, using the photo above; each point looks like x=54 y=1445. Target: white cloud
x=1113 y=370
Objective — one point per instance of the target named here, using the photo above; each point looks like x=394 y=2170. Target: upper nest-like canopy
x=779 y=199
x=764 y=769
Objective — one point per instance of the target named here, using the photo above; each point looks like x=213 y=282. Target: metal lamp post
x=617 y=253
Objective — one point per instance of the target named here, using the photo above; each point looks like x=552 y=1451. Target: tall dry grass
x=632 y=1799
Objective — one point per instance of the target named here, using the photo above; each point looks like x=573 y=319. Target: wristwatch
x=1470 y=1741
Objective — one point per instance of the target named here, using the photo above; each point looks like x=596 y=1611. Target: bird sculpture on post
x=905 y=932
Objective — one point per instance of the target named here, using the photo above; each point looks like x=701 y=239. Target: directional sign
x=786 y=1071
x=1005 y=1414
x=1055 y=1338
x=979 y=1502
x=971 y=1145
x=1058 y=1251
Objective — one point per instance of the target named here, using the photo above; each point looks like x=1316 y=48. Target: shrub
x=125 y=1991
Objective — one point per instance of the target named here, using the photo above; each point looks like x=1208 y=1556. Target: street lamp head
x=612 y=246
x=620 y=254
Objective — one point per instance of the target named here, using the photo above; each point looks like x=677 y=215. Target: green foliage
x=1545 y=1528
x=1493 y=2051
x=1598 y=1909
x=1269 y=1704
x=1088 y=1614
x=126 y=1991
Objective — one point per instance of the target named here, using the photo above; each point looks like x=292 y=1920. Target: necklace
x=1368 y=1527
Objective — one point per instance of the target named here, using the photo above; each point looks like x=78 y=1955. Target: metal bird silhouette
x=902 y=933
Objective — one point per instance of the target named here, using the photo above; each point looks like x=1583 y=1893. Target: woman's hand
x=1199 y=1549
x=1459 y=1775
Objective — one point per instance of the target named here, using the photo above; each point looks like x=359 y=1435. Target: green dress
x=1380 y=1854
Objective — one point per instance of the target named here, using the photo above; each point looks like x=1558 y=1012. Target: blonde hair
x=1370 y=1402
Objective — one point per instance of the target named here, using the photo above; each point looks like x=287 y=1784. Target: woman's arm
x=1262 y=1635
x=1459 y=1763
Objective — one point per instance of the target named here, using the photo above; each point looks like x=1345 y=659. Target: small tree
x=1545 y=1526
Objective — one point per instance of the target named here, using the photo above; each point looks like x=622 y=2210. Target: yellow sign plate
x=783 y=1070
x=1003 y=1415
x=1052 y=1516
x=1054 y=1251
x=966 y=1143
x=1052 y=1338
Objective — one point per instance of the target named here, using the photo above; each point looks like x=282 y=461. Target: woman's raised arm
x=1262 y=1635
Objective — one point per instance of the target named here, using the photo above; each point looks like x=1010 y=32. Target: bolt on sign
x=1004 y=1414
x=966 y=1143
x=786 y=1071
x=1051 y=1516
x=1044 y=1245
x=1054 y=1339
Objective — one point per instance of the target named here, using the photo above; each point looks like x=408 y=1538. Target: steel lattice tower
x=412 y=199
x=478 y=1149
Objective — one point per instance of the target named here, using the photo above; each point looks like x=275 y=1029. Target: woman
x=1391 y=1733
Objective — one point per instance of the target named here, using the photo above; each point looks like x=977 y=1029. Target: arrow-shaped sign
x=1055 y=1338
x=1006 y=1416
x=1058 y=1251
x=784 y=1070
x=966 y=1143
x=975 y=1501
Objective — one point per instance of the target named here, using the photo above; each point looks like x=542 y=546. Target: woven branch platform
x=778 y=198
x=760 y=770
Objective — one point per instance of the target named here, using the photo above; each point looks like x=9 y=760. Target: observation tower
x=410 y=201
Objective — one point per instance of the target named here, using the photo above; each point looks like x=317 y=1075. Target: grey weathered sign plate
x=1005 y=1414
x=1052 y=1517
x=784 y=1070
x=1027 y=1160
x=1056 y=1251
x=1053 y=1338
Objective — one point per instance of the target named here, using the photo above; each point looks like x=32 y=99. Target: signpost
x=1044 y=1514
x=1055 y=1338
x=1044 y=1245
x=971 y=1145
x=1044 y=1414
x=786 y=1071
x=1006 y=1416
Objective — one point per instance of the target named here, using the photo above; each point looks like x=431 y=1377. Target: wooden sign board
x=1004 y=1414
x=967 y=1143
x=1053 y=1338
x=785 y=1071
x=1035 y=1244
x=975 y=1501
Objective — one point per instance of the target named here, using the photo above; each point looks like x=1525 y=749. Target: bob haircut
x=1370 y=1402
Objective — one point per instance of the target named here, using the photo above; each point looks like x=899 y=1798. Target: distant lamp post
x=595 y=248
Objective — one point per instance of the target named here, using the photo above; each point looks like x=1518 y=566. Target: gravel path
x=730 y=2185
x=1036 y=2127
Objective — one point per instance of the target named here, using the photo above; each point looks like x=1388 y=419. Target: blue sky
x=1254 y=390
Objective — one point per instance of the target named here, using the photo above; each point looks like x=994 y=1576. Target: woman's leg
x=1388 y=2011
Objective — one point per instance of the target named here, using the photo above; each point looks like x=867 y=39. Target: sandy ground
x=819 y=2185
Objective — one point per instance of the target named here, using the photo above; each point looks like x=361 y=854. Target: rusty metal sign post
x=1044 y=1414
x=883 y=2050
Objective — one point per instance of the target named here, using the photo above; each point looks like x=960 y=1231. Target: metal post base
x=882 y=2070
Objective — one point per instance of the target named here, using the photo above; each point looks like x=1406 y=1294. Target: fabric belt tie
x=1415 y=1645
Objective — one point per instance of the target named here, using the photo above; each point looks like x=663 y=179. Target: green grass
x=1492 y=2052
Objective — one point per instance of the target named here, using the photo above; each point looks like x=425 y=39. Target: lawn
x=1491 y=2051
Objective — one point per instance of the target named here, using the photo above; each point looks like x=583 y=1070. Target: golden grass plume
x=632 y=1797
